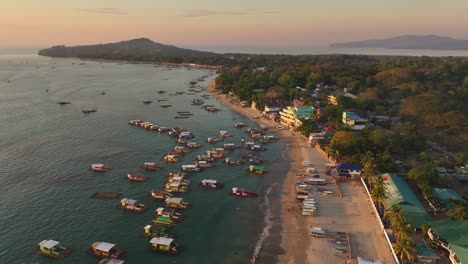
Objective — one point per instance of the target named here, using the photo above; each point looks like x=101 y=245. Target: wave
x=266 y=230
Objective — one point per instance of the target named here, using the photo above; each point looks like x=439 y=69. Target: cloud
x=242 y=12
x=107 y=11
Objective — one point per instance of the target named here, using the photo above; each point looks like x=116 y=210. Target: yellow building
x=291 y=116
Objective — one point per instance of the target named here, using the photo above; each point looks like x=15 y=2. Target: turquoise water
x=46 y=150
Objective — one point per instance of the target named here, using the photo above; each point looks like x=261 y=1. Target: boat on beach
x=242 y=193
x=169 y=212
x=211 y=184
x=132 y=205
x=106 y=250
x=160 y=195
x=136 y=177
x=52 y=249
x=151 y=166
x=158 y=230
x=164 y=245
x=100 y=167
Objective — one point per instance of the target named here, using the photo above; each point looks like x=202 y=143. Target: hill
x=432 y=42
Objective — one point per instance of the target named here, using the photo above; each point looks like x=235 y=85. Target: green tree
x=308 y=126
x=424 y=174
x=379 y=193
x=405 y=249
x=459 y=212
x=369 y=168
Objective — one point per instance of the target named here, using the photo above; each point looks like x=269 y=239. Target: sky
x=226 y=23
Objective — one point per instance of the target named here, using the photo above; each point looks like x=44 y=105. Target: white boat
x=190 y=167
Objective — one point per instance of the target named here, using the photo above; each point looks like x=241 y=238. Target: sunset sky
x=217 y=22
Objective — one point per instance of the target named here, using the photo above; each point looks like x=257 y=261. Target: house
x=352 y=171
x=292 y=115
x=353 y=120
x=451 y=237
x=333 y=98
x=273 y=107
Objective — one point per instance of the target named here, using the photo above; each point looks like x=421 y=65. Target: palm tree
x=398 y=222
x=379 y=193
x=369 y=169
x=404 y=249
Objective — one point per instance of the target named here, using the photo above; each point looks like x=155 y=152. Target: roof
x=447 y=194
x=161 y=241
x=48 y=243
x=209 y=181
x=347 y=166
x=175 y=184
x=398 y=192
x=128 y=201
x=450 y=231
x=104 y=246
x=97 y=165
x=352 y=116
x=111 y=261
x=147 y=227
x=174 y=200
x=424 y=251
x=362 y=260
x=256 y=167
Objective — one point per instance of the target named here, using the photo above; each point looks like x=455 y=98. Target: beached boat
x=158 y=230
x=106 y=250
x=160 y=195
x=99 y=168
x=136 y=177
x=176 y=187
x=231 y=161
x=171 y=158
x=52 y=249
x=132 y=205
x=151 y=166
x=211 y=184
x=318 y=232
x=190 y=168
x=242 y=193
x=256 y=169
x=169 y=212
x=165 y=245
x=176 y=202
x=105 y=195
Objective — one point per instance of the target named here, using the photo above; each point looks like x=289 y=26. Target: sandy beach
x=290 y=240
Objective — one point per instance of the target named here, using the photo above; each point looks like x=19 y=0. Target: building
x=452 y=238
x=333 y=98
x=273 y=107
x=399 y=193
x=352 y=171
x=292 y=115
x=353 y=120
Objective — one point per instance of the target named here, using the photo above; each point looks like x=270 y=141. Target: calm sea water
x=46 y=150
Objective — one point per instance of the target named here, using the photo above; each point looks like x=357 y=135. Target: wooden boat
x=106 y=250
x=239 y=125
x=88 y=111
x=242 y=193
x=147 y=102
x=169 y=212
x=176 y=202
x=214 y=154
x=164 y=221
x=132 y=205
x=257 y=169
x=181 y=149
x=171 y=158
x=213 y=140
x=136 y=177
x=224 y=134
x=190 y=168
x=176 y=187
x=63 y=103
x=179 y=179
x=192 y=144
x=52 y=249
x=221 y=151
x=176 y=174
x=135 y=122
x=164 y=245
x=203 y=164
x=160 y=195
x=99 y=168
x=158 y=230
x=105 y=195
x=151 y=166
x=205 y=158
x=211 y=184
x=231 y=161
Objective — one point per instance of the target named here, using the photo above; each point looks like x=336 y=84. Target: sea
x=46 y=150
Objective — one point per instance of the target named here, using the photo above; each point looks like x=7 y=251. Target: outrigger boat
x=256 y=169
x=171 y=158
x=106 y=250
x=99 y=168
x=160 y=195
x=52 y=249
x=211 y=184
x=170 y=213
x=164 y=245
x=136 y=177
x=132 y=205
x=176 y=202
x=164 y=221
x=242 y=193
x=158 y=230
x=151 y=166
x=176 y=187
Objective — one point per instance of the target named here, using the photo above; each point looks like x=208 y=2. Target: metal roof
x=398 y=192
x=49 y=243
x=451 y=231
x=104 y=246
x=161 y=241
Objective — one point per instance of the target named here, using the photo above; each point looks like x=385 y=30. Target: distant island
x=431 y=42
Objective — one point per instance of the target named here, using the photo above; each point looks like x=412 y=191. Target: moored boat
x=151 y=166
x=169 y=212
x=164 y=245
x=213 y=140
x=176 y=174
x=171 y=158
x=211 y=184
x=132 y=205
x=257 y=169
x=136 y=177
x=239 y=125
x=105 y=195
x=179 y=179
x=242 y=193
x=176 y=202
x=100 y=167
x=52 y=249
x=111 y=261
x=224 y=134
x=158 y=230
x=135 y=122
x=164 y=221
x=190 y=168
x=176 y=187
x=191 y=144
x=106 y=250
x=160 y=195
x=231 y=161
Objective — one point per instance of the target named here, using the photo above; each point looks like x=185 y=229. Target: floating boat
x=163 y=129
x=147 y=102
x=164 y=221
x=203 y=164
x=106 y=250
x=242 y=193
x=256 y=169
x=183 y=112
x=176 y=174
x=158 y=230
x=211 y=184
x=160 y=195
x=169 y=212
x=176 y=187
x=88 y=111
x=257 y=160
x=105 y=195
x=52 y=249
x=176 y=202
x=164 y=245
x=181 y=149
x=181 y=117
x=214 y=154
x=136 y=177
x=99 y=167
x=171 y=158
x=165 y=105
x=231 y=161
x=63 y=103
x=220 y=151
x=239 y=125
x=257 y=148
x=135 y=122
x=151 y=166
x=179 y=179
x=179 y=92
x=213 y=140
x=197 y=102
x=161 y=91
x=205 y=158
x=190 y=168
x=224 y=134
x=192 y=144
x=111 y=261
x=132 y=205
x=229 y=146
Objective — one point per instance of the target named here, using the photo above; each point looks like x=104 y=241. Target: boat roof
x=202 y=161
x=161 y=241
x=174 y=200
x=150 y=163
x=147 y=227
x=113 y=261
x=189 y=166
x=170 y=156
x=209 y=181
x=97 y=165
x=48 y=243
x=128 y=201
x=104 y=246
x=177 y=178
x=257 y=167
x=175 y=184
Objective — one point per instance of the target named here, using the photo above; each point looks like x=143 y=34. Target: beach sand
x=290 y=240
